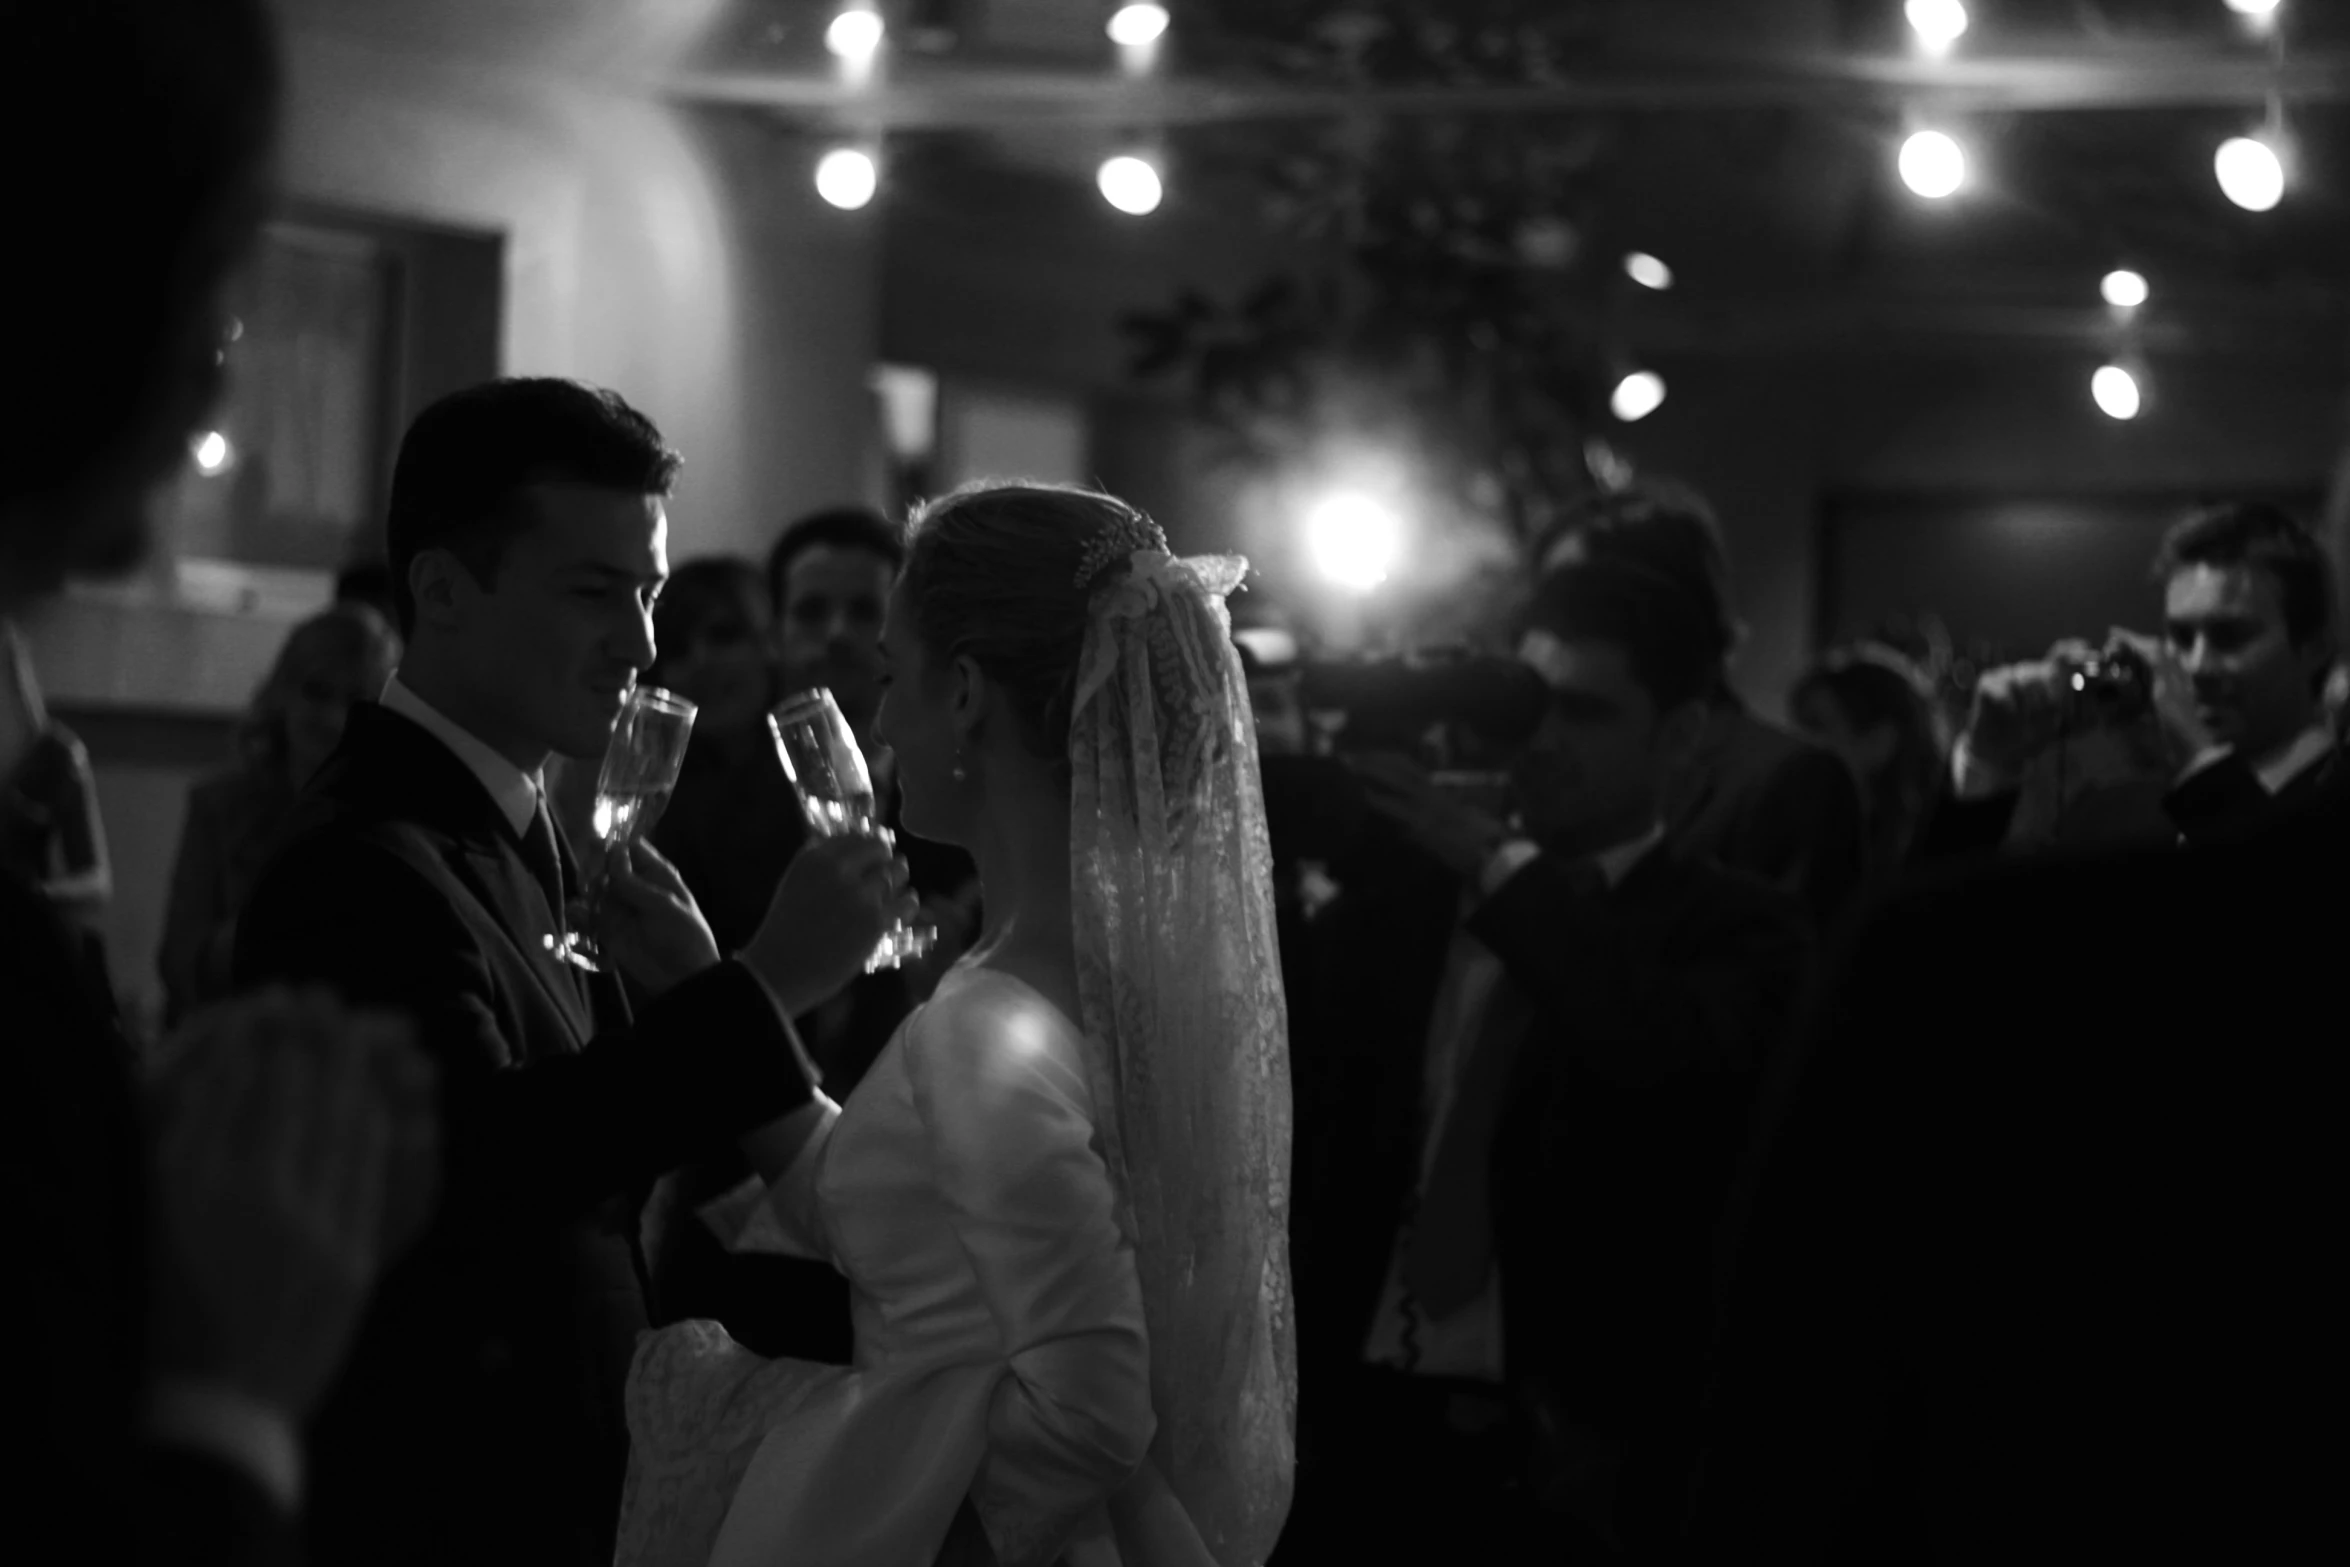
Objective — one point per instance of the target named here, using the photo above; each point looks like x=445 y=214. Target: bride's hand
x=648 y=922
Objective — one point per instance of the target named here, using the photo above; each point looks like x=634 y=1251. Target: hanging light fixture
x=1645 y=270
x=1132 y=26
x=1637 y=396
x=2124 y=289
x=1937 y=23
x=1933 y=164
x=855 y=34
x=2250 y=172
x=2116 y=392
x=1131 y=184
x=847 y=177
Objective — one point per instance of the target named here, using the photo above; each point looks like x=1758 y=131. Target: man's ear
x=441 y=586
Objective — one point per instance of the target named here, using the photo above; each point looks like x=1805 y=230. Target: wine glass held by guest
x=238 y=818
x=1059 y=1195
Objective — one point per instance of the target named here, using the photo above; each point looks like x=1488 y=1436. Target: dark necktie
x=1450 y=1255
x=543 y=853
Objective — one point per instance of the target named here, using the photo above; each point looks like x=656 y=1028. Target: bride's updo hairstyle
x=1004 y=573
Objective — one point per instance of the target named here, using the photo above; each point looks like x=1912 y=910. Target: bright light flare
x=1637 y=396
x=1645 y=270
x=211 y=451
x=1133 y=26
x=2250 y=172
x=1354 y=540
x=847 y=177
x=2116 y=391
x=2253 y=7
x=1933 y=164
x=2124 y=289
x=855 y=35
x=1938 y=23
x=1130 y=184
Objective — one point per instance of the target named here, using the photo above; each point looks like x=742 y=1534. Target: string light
x=1938 y=23
x=2116 y=391
x=1131 y=184
x=1933 y=164
x=1637 y=396
x=1645 y=270
x=2250 y=172
x=855 y=34
x=1132 y=26
x=847 y=177
x=2124 y=289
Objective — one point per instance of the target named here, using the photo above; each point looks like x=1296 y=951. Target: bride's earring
x=961 y=774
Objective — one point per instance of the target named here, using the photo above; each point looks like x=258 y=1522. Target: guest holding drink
x=237 y=819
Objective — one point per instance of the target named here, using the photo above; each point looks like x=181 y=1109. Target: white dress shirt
x=1467 y=1343
x=517 y=793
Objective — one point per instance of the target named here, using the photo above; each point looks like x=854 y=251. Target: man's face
x=2253 y=689
x=561 y=635
x=1591 y=774
x=828 y=629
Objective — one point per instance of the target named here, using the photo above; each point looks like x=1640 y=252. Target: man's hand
x=2020 y=710
x=954 y=918
x=837 y=897
x=2180 y=735
x=1453 y=833
x=295 y=1151
x=647 y=922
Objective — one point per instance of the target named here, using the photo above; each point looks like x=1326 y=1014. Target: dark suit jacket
x=235 y=824
x=1658 y=1004
x=83 y=1486
x=2042 y=1245
x=1758 y=799
x=479 y=1419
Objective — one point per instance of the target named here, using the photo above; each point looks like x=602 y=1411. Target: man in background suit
x=2034 y=1245
x=1749 y=795
x=480 y=1419
x=1556 y=1036
x=178 y=1292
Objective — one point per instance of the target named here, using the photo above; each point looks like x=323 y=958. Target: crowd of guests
x=1657 y=1195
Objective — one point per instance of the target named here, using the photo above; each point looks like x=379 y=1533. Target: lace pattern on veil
x=1186 y=1024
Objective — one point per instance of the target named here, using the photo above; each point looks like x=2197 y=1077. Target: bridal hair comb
x=1131 y=531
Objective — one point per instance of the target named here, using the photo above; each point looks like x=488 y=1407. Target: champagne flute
x=820 y=757
x=641 y=764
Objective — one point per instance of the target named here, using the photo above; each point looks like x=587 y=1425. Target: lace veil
x=1179 y=977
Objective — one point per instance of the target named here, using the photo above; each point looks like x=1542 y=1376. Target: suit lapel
x=391 y=768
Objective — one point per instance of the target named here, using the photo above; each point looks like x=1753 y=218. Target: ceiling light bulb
x=2250 y=172
x=855 y=34
x=2252 y=7
x=2124 y=289
x=847 y=178
x=1130 y=184
x=1938 y=23
x=211 y=451
x=1132 y=26
x=1645 y=270
x=1354 y=540
x=2116 y=391
x=1637 y=396
x=1933 y=164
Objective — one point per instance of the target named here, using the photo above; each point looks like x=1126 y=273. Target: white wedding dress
x=1001 y=1353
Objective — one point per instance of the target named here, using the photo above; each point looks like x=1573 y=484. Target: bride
x=1060 y=1195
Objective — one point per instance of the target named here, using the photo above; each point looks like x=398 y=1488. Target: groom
x=480 y=1419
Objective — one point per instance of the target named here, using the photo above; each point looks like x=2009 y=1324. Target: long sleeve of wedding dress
x=1001 y=1353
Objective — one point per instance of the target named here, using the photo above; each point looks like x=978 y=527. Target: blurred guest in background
x=1552 y=1044
x=2221 y=720
x=237 y=819
x=176 y=1302
x=1752 y=796
x=828 y=577
x=1871 y=707
x=52 y=834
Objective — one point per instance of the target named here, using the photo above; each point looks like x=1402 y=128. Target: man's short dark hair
x=1666 y=528
x=464 y=458
x=1665 y=637
x=2265 y=537
x=842 y=527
